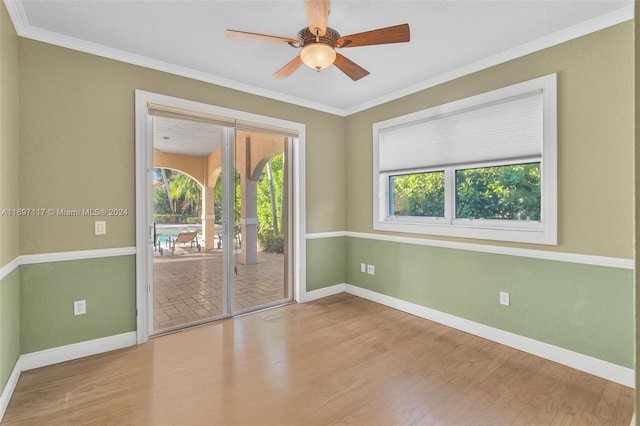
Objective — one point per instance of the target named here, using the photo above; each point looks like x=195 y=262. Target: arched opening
x=177 y=197
x=189 y=214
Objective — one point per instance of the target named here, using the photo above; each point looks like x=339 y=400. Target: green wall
x=77 y=144
x=47 y=292
x=595 y=139
x=583 y=308
x=326 y=262
x=9 y=157
x=77 y=151
x=76 y=135
x=9 y=325
x=9 y=60
x=637 y=192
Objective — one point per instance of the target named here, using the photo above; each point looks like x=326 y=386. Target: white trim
x=9 y=387
x=76 y=350
x=397 y=141
x=597 y=367
x=144 y=163
x=324 y=292
x=24 y=29
x=596 y=24
x=64 y=256
x=30 y=259
x=9 y=268
x=62 y=354
x=584 y=259
x=331 y=234
x=299 y=195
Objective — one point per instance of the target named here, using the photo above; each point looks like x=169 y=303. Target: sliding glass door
x=260 y=260
x=221 y=228
x=189 y=284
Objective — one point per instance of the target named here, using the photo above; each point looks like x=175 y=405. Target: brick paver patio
x=188 y=285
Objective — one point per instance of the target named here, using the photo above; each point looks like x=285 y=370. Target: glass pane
x=503 y=192
x=261 y=219
x=187 y=264
x=418 y=194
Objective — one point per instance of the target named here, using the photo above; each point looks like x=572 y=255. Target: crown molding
x=596 y=24
x=26 y=30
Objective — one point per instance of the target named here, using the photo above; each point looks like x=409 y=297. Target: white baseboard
x=9 y=387
x=76 y=350
x=597 y=367
x=323 y=292
x=61 y=354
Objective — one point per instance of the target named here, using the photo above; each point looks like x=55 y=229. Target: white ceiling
x=171 y=136
x=448 y=39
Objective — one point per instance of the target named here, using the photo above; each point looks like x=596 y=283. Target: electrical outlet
x=371 y=269
x=504 y=298
x=363 y=267
x=79 y=307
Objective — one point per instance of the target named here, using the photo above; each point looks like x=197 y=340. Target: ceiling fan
x=319 y=42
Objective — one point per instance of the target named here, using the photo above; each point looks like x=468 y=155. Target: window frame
x=409 y=219
x=535 y=232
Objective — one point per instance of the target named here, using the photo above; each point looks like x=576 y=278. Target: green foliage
x=183 y=195
x=175 y=218
x=187 y=193
x=419 y=194
x=160 y=201
x=217 y=199
x=179 y=195
x=503 y=192
x=270 y=242
x=265 y=218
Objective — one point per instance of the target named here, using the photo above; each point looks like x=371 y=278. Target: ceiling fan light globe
x=318 y=56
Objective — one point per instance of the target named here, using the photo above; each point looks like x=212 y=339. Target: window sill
x=530 y=236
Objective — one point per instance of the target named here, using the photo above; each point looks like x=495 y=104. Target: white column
x=208 y=222
x=249 y=222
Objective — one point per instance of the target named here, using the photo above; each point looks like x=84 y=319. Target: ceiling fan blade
x=350 y=68
x=395 y=34
x=243 y=35
x=317 y=15
x=288 y=69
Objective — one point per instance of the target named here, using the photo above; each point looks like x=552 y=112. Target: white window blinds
x=509 y=128
x=158 y=110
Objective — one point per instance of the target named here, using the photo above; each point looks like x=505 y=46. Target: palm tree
x=186 y=189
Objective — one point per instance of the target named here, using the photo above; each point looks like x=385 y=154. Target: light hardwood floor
x=339 y=360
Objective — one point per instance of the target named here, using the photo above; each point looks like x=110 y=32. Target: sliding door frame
x=144 y=205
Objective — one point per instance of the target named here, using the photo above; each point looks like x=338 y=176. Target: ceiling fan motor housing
x=330 y=37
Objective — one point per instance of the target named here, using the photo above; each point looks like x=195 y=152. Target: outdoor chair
x=190 y=237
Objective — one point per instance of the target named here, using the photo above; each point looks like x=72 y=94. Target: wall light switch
x=100 y=227
x=363 y=267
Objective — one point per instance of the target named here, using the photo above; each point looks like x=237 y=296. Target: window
x=482 y=167
x=417 y=194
